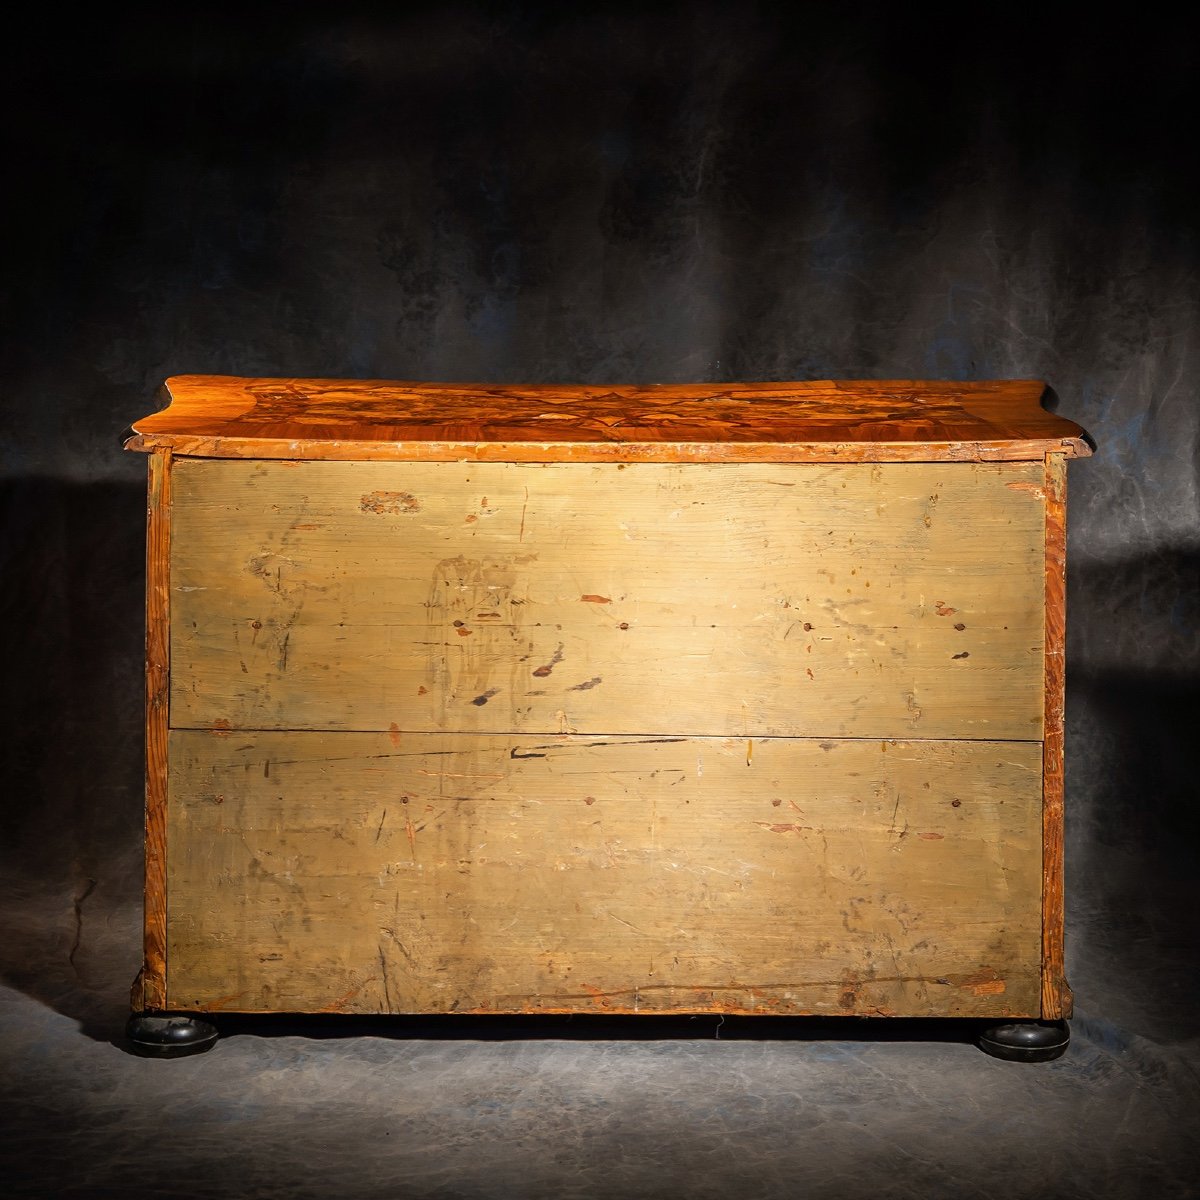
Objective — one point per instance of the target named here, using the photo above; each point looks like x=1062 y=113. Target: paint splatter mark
x=589 y=800
x=776 y=802
x=484 y=697
x=422 y=690
x=943 y=610
x=221 y=727
x=389 y=502
x=542 y=671
x=586 y=686
x=931 y=837
x=590 y=598
x=394 y=734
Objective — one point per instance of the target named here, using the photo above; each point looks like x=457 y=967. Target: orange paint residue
x=598 y=997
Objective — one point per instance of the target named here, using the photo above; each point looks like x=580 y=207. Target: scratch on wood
x=1032 y=488
x=383 y=971
x=341 y=1002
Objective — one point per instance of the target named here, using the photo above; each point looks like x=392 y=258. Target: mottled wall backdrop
x=709 y=193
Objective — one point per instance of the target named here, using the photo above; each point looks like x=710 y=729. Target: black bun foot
x=168 y=1036
x=1026 y=1041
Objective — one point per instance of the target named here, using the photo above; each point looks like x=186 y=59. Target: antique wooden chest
x=715 y=698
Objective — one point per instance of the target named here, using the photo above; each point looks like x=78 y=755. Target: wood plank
x=437 y=873
x=1056 y=995
x=896 y=600
x=150 y=988
x=821 y=421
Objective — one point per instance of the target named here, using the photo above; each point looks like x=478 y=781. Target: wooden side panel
x=1056 y=995
x=150 y=989
x=439 y=873
x=896 y=600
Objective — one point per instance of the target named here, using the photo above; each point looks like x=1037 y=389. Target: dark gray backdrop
x=713 y=192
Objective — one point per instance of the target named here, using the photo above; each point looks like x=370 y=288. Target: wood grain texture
x=900 y=420
x=1056 y=995
x=448 y=873
x=150 y=988
x=893 y=600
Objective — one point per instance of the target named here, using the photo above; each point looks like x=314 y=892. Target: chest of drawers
x=713 y=698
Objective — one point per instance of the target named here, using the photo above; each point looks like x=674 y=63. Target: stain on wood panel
x=447 y=873
x=896 y=600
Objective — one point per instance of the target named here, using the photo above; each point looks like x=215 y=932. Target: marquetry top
x=223 y=416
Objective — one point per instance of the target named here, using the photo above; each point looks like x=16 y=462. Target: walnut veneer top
x=224 y=416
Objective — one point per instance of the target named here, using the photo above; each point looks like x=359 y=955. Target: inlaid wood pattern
x=449 y=873
x=893 y=600
x=227 y=416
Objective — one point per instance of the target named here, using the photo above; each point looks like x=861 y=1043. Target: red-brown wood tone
x=1056 y=995
x=905 y=420
x=153 y=979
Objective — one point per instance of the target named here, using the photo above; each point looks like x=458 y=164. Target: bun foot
x=1026 y=1041
x=169 y=1036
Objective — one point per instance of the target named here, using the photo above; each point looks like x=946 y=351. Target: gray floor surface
x=588 y=1108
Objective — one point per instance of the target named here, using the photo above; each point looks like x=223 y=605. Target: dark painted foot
x=1026 y=1041
x=169 y=1037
